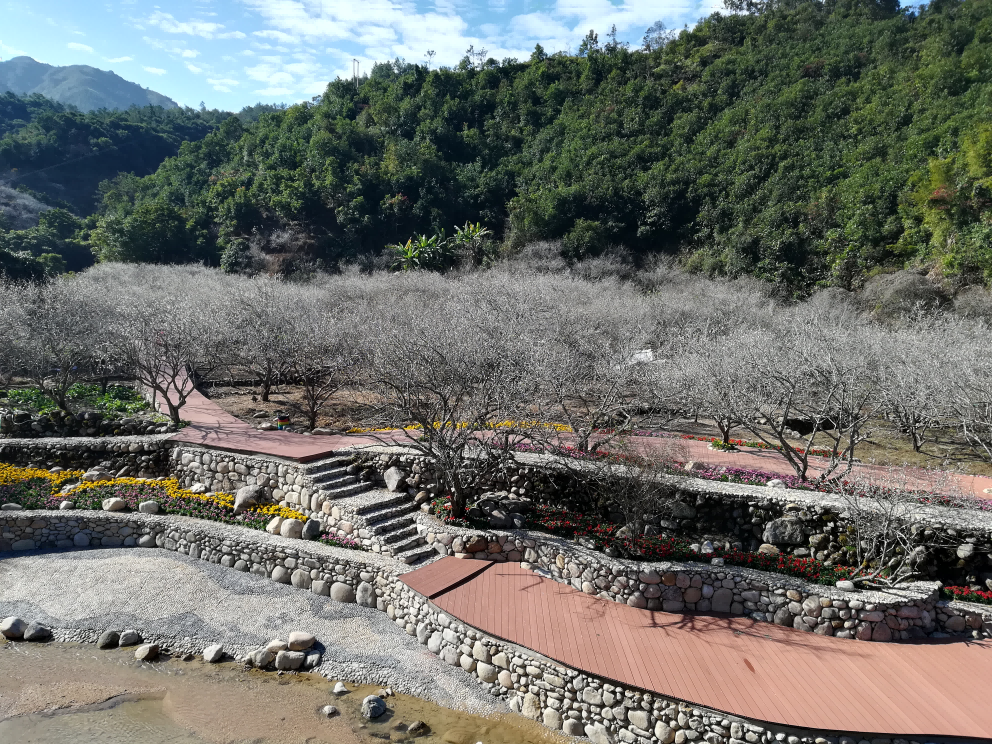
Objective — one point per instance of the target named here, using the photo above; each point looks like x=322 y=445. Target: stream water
x=76 y=694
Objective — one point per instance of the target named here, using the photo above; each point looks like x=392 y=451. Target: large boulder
x=311 y=529
x=12 y=627
x=341 y=592
x=373 y=707
x=146 y=652
x=37 y=632
x=213 y=654
x=395 y=479
x=247 y=496
x=366 y=595
x=291 y=528
x=129 y=638
x=114 y=504
x=300 y=640
x=784 y=531
x=289 y=660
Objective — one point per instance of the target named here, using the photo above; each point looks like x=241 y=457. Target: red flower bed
x=966 y=594
x=573 y=525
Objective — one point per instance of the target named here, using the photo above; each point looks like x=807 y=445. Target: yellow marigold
x=10 y=474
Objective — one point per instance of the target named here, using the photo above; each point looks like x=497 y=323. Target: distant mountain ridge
x=87 y=88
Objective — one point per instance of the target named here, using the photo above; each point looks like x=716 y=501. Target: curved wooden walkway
x=758 y=671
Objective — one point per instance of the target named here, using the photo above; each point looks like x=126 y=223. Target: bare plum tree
x=164 y=325
x=591 y=362
x=446 y=362
x=916 y=372
x=887 y=542
x=321 y=346
x=260 y=312
x=55 y=346
x=818 y=377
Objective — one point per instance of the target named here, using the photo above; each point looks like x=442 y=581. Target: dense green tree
x=152 y=233
x=801 y=141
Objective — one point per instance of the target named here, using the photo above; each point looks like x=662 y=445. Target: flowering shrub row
x=33 y=488
x=604 y=535
x=966 y=594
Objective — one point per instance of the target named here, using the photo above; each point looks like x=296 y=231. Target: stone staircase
x=381 y=517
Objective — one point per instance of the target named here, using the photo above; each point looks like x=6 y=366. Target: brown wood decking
x=754 y=670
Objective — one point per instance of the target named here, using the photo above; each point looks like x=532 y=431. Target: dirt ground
x=345 y=409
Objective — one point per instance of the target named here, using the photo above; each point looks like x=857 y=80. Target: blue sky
x=231 y=53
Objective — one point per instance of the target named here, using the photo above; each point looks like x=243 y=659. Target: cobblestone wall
x=280 y=480
x=141 y=456
x=911 y=611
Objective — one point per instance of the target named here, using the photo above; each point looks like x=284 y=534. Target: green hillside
x=803 y=142
x=84 y=87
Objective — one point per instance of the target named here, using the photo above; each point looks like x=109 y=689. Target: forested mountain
x=801 y=141
x=55 y=156
x=82 y=86
x=64 y=154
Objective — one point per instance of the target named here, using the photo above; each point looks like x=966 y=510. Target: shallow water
x=59 y=693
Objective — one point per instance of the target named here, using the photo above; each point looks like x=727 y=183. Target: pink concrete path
x=771 y=461
x=211 y=426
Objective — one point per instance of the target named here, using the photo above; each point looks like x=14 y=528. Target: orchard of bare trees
x=457 y=355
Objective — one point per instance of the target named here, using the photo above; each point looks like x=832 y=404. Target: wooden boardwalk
x=759 y=671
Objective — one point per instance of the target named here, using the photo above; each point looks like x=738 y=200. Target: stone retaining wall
x=953 y=545
x=140 y=457
x=534 y=686
x=24 y=425
x=911 y=611
x=280 y=480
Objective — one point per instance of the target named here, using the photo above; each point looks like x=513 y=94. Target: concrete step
x=351 y=489
x=388 y=514
x=338 y=475
x=321 y=466
x=377 y=501
x=414 y=555
x=401 y=536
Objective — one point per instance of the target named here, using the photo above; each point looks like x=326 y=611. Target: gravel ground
x=186 y=605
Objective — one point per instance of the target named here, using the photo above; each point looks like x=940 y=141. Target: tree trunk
x=457 y=499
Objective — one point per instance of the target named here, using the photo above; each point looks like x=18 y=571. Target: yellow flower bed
x=173 y=492
x=11 y=474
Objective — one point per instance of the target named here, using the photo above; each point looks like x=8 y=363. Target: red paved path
x=755 y=670
x=211 y=426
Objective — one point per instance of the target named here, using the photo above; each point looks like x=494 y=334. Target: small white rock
x=340 y=688
x=213 y=654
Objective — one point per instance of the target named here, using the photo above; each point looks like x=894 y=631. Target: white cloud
x=224 y=85
x=153 y=70
x=194 y=69
x=277 y=35
x=115 y=60
x=205 y=29
x=174 y=48
x=9 y=51
x=77 y=47
x=274 y=92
